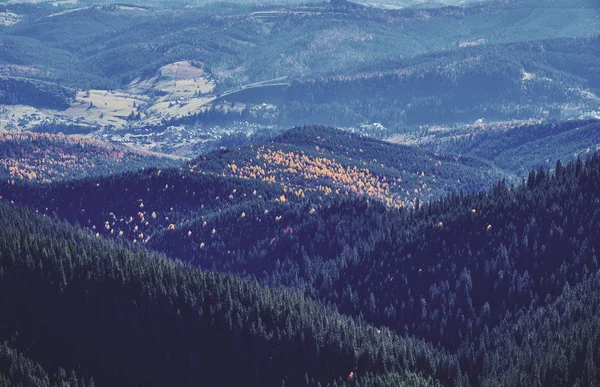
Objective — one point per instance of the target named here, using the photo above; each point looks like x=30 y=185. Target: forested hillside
x=460 y=273
x=43 y=157
x=185 y=79
x=305 y=165
x=107 y=46
x=521 y=80
x=17 y=91
x=545 y=340
x=332 y=162
x=129 y=317
x=515 y=149
x=452 y=272
x=16 y=370
x=432 y=219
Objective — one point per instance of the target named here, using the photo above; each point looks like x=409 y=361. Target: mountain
x=470 y=274
x=329 y=161
x=256 y=35
x=303 y=165
x=179 y=79
x=542 y=79
x=511 y=147
x=447 y=271
x=206 y=210
x=431 y=219
x=43 y=157
x=130 y=317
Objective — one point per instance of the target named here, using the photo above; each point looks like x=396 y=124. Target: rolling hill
x=161 y=226
x=309 y=164
x=337 y=63
x=258 y=41
x=458 y=273
x=44 y=158
x=289 y=220
x=206 y=319
x=205 y=210
x=541 y=79
x=329 y=161
x=515 y=149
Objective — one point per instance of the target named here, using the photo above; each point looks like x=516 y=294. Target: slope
x=538 y=79
x=130 y=317
x=300 y=60
x=514 y=148
x=264 y=42
x=449 y=272
x=327 y=161
x=16 y=370
x=197 y=211
x=359 y=255
x=559 y=341
x=43 y=157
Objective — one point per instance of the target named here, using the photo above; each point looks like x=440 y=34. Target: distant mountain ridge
x=549 y=79
x=515 y=149
x=283 y=65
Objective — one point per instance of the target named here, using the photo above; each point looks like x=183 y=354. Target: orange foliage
x=58 y=157
x=286 y=167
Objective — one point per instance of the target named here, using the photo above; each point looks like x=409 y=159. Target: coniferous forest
x=213 y=273
x=300 y=193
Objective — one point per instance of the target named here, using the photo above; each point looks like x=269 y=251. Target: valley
x=115 y=94
x=322 y=193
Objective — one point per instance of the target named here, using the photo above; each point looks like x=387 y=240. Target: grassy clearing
x=94 y=108
x=104 y=108
x=174 y=81
x=178 y=89
x=172 y=110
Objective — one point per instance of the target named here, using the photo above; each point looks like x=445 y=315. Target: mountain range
x=373 y=193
